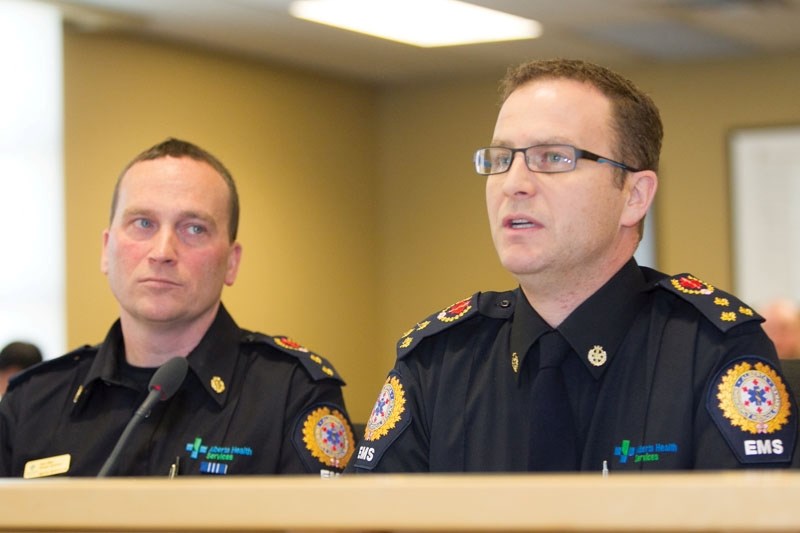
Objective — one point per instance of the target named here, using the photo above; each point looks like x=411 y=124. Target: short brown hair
x=635 y=119
x=177 y=148
x=19 y=354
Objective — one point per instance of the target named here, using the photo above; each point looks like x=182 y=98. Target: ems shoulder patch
x=750 y=404
x=316 y=365
x=389 y=418
x=458 y=312
x=722 y=309
x=323 y=436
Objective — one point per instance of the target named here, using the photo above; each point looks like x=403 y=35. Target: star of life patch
x=387 y=410
x=752 y=408
x=387 y=421
x=324 y=437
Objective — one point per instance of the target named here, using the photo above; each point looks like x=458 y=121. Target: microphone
x=164 y=383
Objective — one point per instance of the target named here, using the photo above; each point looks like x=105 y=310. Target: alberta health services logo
x=217 y=457
x=645 y=453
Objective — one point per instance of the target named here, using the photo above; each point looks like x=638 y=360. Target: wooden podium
x=724 y=501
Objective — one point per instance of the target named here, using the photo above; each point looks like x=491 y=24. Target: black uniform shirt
x=664 y=374
x=250 y=404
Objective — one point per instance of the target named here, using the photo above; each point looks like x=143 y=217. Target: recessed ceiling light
x=425 y=23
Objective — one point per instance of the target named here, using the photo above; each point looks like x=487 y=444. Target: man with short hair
x=593 y=362
x=249 y=403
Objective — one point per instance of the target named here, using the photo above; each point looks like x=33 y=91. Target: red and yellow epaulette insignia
x=289 y=344
x=318 y=366
x=688 y=284
x=752 y=407
x=455 y=311
x=437 y=322
x=721 y=308
x=327 y=436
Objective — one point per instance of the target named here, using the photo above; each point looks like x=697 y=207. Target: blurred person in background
x=782 y=325
x=15 y=357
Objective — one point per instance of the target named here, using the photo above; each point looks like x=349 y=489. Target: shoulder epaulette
x=722 y=309
x=63 y=361
x=316 y=365
x=456 y=313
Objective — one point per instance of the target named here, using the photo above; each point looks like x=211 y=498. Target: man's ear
x=641 y=187
x=234 y=259
x=104 y=253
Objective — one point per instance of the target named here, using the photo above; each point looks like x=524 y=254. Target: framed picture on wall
x=765 y=212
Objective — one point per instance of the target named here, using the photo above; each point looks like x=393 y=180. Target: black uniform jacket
x=250 y=404
x=664 y=374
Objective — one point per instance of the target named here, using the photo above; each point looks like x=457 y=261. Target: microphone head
x=168 y=377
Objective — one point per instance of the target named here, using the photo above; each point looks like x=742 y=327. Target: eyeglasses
x=549 y=158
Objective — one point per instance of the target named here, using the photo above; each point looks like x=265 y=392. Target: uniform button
x=504 y=303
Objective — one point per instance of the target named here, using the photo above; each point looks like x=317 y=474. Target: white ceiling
x=612 y=32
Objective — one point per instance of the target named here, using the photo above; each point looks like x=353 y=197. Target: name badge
x=49 y=466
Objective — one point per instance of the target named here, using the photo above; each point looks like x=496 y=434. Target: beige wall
x=361 y=214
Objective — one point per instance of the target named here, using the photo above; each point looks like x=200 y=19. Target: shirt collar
x=105 y=366
x=596 y=329
x=526 y=327
x=213 y=360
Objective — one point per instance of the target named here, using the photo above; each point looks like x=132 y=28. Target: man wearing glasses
x=593 y=362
